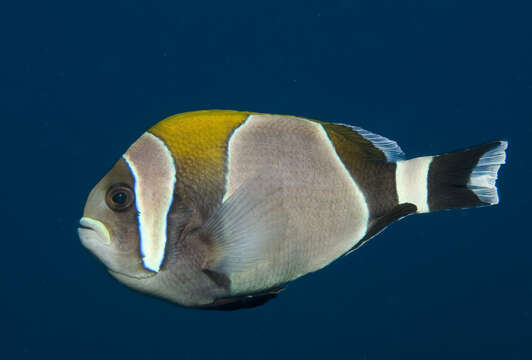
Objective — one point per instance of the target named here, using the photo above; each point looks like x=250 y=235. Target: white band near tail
x=411 y=178
x=153 y=169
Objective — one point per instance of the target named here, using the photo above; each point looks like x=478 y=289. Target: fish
x=221 y=209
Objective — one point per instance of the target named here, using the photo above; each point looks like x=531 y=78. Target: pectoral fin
x=243 y=227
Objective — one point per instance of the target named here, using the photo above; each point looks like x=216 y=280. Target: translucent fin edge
x=484 y=174
x=390 y=148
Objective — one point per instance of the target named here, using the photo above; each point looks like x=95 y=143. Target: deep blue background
x=81 y=81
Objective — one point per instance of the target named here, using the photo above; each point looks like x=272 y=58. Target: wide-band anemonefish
x=220 y=209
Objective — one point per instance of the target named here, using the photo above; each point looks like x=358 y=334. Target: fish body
x=220 y=209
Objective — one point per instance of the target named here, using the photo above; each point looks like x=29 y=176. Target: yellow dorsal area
x=199 y=135
x=198 y=141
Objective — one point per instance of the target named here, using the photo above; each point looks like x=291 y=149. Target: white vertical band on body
x=411 y=179
x=324 y=211
x=229 y=181
x=153 y=168
x=360 y=199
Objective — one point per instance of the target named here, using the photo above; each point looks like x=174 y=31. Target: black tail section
x=465 y=178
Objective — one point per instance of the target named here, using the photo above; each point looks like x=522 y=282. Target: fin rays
x=248 y=221
x=390 y=148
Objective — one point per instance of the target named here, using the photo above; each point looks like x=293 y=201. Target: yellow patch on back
x=198 y=142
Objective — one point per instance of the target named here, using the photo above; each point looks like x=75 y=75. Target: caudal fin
x=460 y=179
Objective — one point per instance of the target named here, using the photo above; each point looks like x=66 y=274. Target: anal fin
x=243 y=302
x=379 y=224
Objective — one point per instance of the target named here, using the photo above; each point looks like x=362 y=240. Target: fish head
x=109 y=226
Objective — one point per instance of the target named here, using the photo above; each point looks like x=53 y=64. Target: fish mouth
x=91 y=229
x=84 y=227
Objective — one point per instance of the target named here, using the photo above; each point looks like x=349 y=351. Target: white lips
x=90 y=227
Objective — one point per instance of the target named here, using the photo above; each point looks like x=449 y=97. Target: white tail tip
x=484 y=175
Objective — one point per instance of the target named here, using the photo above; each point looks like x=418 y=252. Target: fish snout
x=93 y=231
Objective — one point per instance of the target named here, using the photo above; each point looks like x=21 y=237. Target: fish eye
x=119 y=197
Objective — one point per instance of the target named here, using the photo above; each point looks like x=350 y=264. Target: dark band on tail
x=465 y=178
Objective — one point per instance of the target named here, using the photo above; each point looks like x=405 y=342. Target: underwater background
x=80 y=81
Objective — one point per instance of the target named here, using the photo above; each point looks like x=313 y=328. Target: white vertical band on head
x=411 y=179
x=152 y=166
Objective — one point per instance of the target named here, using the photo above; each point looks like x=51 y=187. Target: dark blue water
x=80 y=82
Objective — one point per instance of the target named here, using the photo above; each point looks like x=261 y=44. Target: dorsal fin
x=381 y=148
x=390 y=148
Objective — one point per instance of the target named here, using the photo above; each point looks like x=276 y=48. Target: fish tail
x=460 y=179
